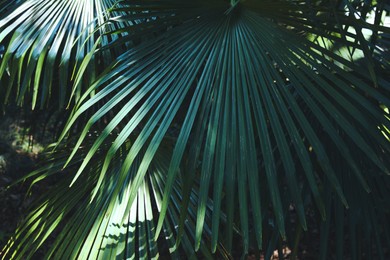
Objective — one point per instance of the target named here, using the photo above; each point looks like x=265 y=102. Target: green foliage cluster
x=192 y=123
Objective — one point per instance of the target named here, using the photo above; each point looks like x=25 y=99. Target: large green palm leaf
x=258 y=114
x=240 y=85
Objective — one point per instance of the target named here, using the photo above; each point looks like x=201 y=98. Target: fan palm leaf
x=46 y=41
x=109 y=227
x=249 y=85
x=259 y=116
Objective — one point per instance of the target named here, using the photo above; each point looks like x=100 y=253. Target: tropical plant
x=208 y=122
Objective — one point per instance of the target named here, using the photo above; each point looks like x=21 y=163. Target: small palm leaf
x=46 y=42
x=109 y=227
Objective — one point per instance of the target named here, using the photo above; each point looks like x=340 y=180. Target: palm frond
x=365 y=221
x=45 y=43
x=254 y=100
x=262 y=113
x=108 y=227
